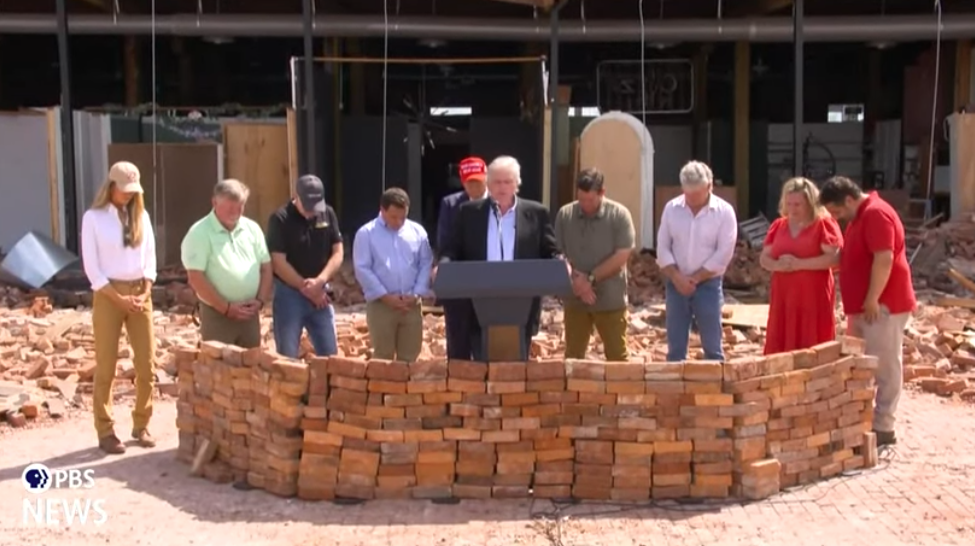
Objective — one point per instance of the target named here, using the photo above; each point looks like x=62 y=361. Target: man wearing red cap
x=473 y=176
x=488 y=229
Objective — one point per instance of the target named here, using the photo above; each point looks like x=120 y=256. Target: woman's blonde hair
x=808 y=189
x=134 y=210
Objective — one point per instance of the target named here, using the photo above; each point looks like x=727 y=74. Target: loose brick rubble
x=363 y=429
x=47 y=357
x=48 y=360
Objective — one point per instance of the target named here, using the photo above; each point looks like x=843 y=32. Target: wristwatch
x=591 y=278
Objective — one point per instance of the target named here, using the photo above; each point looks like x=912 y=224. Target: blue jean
x=292 y=313
x=703 y=306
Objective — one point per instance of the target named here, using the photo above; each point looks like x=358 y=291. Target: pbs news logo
x=56 y=511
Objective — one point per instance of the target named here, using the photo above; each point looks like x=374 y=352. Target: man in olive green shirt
x=596 y=235
x=228 y=265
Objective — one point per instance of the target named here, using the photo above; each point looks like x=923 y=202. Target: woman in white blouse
x=119 y=255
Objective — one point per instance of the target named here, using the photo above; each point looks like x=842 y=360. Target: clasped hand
x=400 y=302
x=243 y=310
x=787 y=262
x=583 y=289
x=314 y=290
x=133 y=304
x=685 y=285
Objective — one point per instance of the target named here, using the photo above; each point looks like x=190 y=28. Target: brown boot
x=111 y=444
x=143 y=438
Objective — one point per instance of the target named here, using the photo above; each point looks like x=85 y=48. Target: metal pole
x=67 y=133
x=901 y=28
x=309 y=79
x=798 y=53
x=553 y=94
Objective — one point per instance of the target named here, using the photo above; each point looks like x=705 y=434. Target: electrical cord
x=155 y=120
x=385 y=81
x=643 y=67
x=934 y=113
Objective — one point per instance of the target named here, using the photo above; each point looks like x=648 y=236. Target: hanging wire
x=934 y=113
x=643 y=65
x=385 y=80
x=155 y=121
x=582 y=15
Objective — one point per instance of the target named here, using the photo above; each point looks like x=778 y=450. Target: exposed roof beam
x=544 y=4
x=100 y=4
x=757 y=7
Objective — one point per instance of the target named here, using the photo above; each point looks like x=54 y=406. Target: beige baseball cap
x=125 y=175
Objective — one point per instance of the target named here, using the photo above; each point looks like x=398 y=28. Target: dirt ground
x=922 y=494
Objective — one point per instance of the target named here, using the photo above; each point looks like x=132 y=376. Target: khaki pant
x=394 y=335
x=107 y=321
x=611 y=325
x=884 y=338
x=215 y=326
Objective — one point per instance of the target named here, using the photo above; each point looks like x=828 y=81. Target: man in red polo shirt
x=876 y=287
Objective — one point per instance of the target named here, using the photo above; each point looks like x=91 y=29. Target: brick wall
x=551 y=429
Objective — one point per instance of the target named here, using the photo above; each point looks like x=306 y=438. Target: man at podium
x=502 y=227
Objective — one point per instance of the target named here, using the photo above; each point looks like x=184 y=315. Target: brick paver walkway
x=922 y=494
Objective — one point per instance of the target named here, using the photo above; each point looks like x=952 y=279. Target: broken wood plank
x=205 y=454
x=965 y=303
x=961 y=279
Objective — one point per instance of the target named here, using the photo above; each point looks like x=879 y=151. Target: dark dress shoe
x=885 y=438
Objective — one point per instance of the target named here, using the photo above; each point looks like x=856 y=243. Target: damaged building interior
x=193 y=90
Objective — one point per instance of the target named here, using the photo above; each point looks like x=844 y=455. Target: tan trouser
x=215 y=326
x=884 y=338
x=107 y=321
x=611 y=325
x=394 y=334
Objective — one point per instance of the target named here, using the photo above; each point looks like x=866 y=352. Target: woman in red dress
x=800 y=250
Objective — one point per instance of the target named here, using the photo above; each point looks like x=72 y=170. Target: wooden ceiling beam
x=757 y=7
x=543 y=4
x=100 y=4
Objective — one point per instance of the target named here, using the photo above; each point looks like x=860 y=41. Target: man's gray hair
x=505 y=163
x=696 y=174
x=231 y=189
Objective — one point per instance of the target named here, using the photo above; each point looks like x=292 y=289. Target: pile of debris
x=48 y=360
x=171 y=292
x=48 y=354
x=935 y=251
x=939 y=352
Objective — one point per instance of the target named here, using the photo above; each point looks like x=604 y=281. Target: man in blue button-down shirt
x=392 y=264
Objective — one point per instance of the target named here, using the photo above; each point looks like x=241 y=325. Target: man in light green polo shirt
x=228 y=265
x=596 y=235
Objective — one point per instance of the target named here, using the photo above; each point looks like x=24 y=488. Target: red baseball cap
x=473 y=168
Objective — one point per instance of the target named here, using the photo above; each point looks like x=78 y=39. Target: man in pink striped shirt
x=695 y=244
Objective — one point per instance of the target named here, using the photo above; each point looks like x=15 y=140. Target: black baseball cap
x=311 y=193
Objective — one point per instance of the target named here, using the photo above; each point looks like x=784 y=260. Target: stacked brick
x=215 y=398
x=239 y=413
x=350 y=428
x=279 y=385
x=805 y=416
x=648 y=430
x=187 y=421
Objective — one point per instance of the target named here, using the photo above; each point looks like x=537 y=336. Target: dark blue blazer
x=445 y=219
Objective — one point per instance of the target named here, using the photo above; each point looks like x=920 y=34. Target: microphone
x=497 y=218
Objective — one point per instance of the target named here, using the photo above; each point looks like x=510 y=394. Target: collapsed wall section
x=339 y=427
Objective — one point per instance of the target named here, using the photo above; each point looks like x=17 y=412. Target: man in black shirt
x=306 y=249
